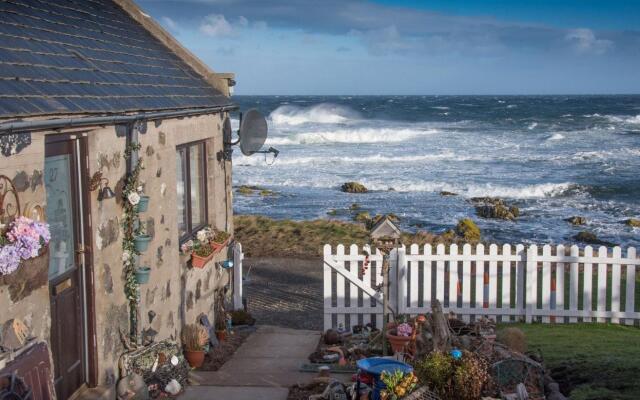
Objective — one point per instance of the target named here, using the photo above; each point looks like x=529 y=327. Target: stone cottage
x=92 y=92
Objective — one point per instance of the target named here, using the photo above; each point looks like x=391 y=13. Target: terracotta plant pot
x=217 y=247
x=221 y=335
x=200 y=262
x=194 y=358
x=398 y=343
x=143 y=204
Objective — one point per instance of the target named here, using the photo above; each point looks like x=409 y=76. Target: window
x=191 y=189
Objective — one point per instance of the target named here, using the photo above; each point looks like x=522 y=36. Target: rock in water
x=633 y=222
x=590 y=238
x=468 y=230
x=353 y=187
x=576 y=220
x=493 y=207
x=446 y=193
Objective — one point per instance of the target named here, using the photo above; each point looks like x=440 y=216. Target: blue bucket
x=376 y=365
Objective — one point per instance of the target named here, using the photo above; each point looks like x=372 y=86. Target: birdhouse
x=384 y=228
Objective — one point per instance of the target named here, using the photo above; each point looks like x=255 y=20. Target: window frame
x=192 y=230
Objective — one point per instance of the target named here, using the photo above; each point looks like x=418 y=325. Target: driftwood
x=440 y=328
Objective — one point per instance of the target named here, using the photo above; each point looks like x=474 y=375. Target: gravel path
x=285 y=292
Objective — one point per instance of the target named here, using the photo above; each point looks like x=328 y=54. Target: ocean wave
x=542 y=190
x=323 y=113
x=624 y=119
x=532 y=125
x=358 y=135
x=440 y=107
x=371 y=159
x=556 y=136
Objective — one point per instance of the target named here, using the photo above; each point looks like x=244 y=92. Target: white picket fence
x=551 y=284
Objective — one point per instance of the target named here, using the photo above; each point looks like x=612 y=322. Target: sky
x=438 y=47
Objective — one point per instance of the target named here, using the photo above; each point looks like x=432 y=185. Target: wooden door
x=64 y=215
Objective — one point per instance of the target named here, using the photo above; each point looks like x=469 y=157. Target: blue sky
x=411 y=46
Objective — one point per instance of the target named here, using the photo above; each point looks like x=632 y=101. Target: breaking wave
x=556 y=136
x=359 y=135
x=323 y=113
x=372 y=159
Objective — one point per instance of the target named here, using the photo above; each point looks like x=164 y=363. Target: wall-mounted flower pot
x=142 y=275
x=143 y=204
x=217 y=247
x=141 y=243
x=194 y=358
x=198 y=261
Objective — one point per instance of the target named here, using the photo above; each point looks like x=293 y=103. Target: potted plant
x=400 y=337
x=221 y=329
x=142 y=275
x=141 y=242
x=194 y=337
x=20 y=240
x=220 y=240
x=200 y=248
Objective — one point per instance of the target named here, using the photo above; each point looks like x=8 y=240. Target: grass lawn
x=598 y=361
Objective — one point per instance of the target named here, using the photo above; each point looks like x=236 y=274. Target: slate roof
x=89 y=56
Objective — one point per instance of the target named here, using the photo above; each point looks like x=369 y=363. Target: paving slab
x=234 y=393
x=270 y=357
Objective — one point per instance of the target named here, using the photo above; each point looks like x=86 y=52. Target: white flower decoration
x=202 y=235
x=125 y=256
x=139 y=189
x=134 y=198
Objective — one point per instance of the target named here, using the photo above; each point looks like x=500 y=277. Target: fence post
x=237 y=277
x=531 y=269
x=401 y=270
x=521 y=271
x=328 y=319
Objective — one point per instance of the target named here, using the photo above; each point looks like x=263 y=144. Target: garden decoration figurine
x=385 y=235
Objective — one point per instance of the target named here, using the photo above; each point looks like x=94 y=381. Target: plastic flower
x=139 y=189
x=187 y=246
x=134 y=198
x=125 y=256
x=9 y=259
x=404 y=329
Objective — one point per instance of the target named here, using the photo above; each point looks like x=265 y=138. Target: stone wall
x=25 y=294
x=175 y=293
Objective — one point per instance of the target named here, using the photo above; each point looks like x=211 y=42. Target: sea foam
x=323 y=113
x=358 y=135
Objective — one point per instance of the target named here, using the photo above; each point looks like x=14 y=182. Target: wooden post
x=237 y=277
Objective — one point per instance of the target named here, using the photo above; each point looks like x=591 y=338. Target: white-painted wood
x=340 y=285
x=414 y=274
x=506 y=277
x=602 y=282
x=549 y=263
x=493 y=277
x=631 y=285
x=366 y=279
x=466 y=280
x=546 y=282
x=615 y=283
x=574 y=276
x=238 y=256
x=453 y=277
x=428 y=269
x=440 y=273
x=479 y=278
x=560 y=273
x=587 y=296
x=328 y=312
x=353 y=289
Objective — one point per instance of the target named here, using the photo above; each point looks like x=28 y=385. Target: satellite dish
x=253 y=132
x=226 y=131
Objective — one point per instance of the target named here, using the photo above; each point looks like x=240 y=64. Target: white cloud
x=585 y=41
x=169 y=23
x=216 y=25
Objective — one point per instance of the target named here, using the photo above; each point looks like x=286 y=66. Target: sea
x=552 y=156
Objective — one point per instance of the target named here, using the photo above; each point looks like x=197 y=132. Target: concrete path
x=262 y=368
